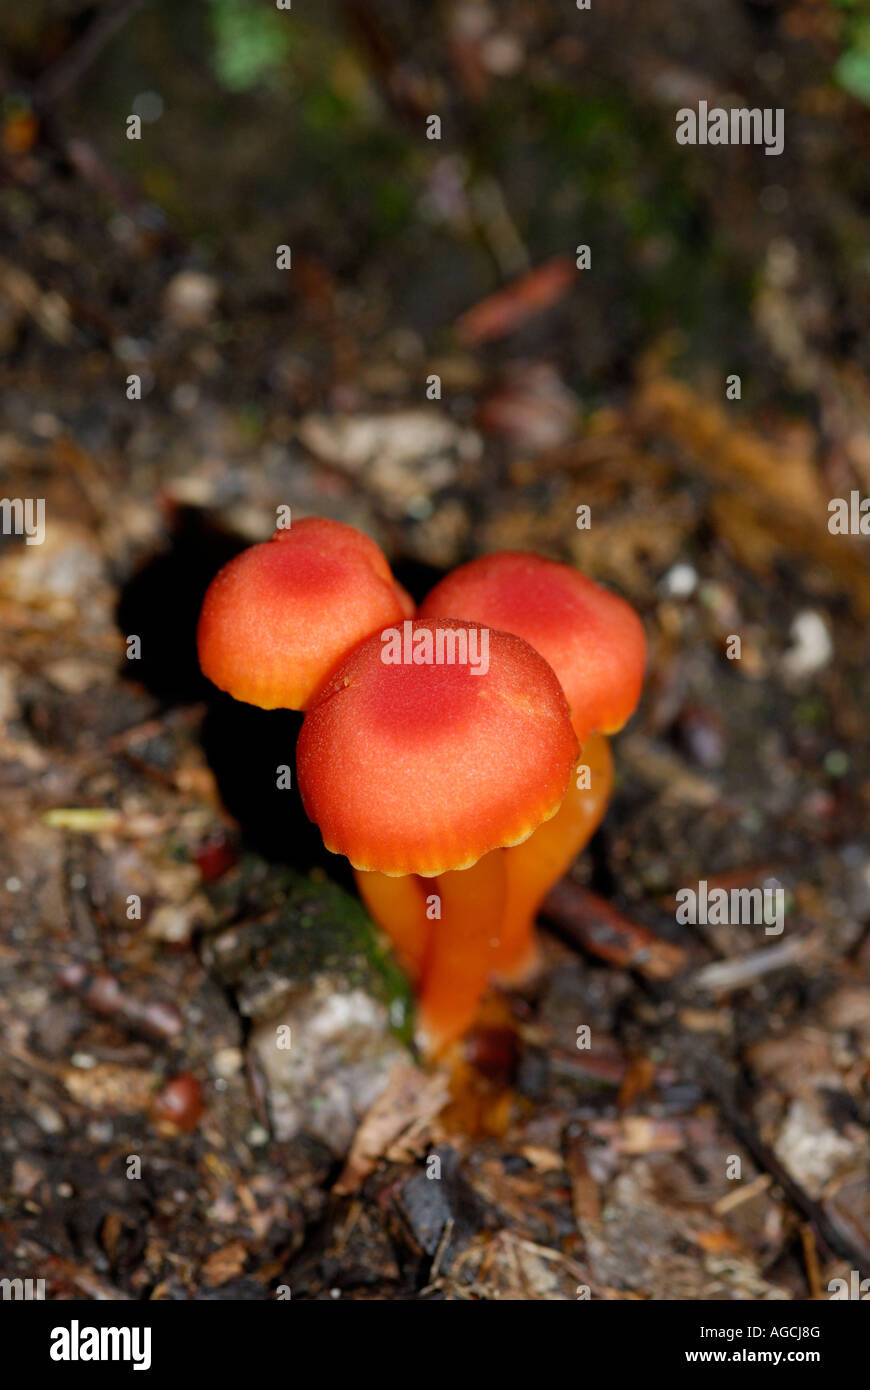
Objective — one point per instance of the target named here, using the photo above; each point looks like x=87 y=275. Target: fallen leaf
x=510 y=307
x=225 y=1264
x=408 y=1102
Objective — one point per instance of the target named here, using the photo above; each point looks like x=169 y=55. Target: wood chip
x=394 y=1125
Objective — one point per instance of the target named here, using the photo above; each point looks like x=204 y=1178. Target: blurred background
x=434 y=368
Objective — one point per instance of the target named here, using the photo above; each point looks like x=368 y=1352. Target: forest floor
x=163 y=908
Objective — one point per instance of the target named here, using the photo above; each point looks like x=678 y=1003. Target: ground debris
x=438 y=371
x=396 y=1125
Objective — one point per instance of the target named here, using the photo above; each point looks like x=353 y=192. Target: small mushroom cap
x=278 y=617
x=423 y=768
x=593 y=639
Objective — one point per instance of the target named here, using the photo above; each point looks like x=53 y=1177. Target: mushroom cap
x=423 y=768
x=278 y=617
x=593 y=639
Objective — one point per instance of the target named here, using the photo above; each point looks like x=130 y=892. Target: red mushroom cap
x=593 y=640
x=423 y=768
x=278 y=617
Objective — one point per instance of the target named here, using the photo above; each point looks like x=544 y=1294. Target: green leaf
x=251 y=42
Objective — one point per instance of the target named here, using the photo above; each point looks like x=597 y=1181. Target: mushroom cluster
x=457 y=788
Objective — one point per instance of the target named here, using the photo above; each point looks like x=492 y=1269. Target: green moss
x=280 y=923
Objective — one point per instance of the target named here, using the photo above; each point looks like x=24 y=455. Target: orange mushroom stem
x=399 y=907
x=462 y=950
x=532 y=868
x=595 y=643
x=483 y=920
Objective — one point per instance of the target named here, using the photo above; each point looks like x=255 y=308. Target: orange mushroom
x=278 y=617
x=593 y=639
x=423 y=767
x=595 y=643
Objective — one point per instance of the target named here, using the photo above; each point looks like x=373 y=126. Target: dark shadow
x=603 y=880
x=245 y=746
x=417 y=578
x=161 y=603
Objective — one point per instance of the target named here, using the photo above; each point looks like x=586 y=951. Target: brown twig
x=593 y=924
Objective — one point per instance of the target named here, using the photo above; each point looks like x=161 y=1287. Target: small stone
x=681 y=581
x=180 y=1103
x=190 y=298
x=812 y=647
